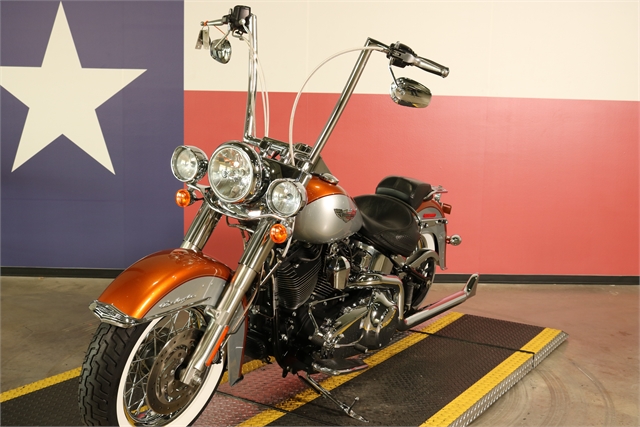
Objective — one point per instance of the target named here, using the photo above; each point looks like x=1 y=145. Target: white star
x=62 y=97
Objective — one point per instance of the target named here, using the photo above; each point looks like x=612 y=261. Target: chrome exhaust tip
x=471 y=285
x=438 y=307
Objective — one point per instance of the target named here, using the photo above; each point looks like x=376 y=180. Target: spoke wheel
x=131 y=376
x=157 y=346
x=428 y=270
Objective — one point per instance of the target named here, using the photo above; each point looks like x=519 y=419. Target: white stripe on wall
x=562 y=50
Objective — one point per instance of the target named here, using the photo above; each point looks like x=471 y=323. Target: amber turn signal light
x=278 y=233
x=446 y=208
x=183 y=198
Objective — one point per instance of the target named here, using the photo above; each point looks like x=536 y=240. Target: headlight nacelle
x=235 y=172
x=286 y=197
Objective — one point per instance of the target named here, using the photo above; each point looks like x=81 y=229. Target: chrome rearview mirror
x=410 y=93
x=220 y=50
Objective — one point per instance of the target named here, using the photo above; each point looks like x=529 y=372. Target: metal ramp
x=443 y=374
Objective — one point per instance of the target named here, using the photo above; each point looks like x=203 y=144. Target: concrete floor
x=590 y=380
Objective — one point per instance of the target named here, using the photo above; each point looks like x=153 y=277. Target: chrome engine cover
x=379 y=324
x=370 y=324
x=369 y=259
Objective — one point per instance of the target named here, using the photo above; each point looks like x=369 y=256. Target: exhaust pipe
x=441 y=306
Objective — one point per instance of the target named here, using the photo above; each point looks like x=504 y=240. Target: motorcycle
x=323 y=276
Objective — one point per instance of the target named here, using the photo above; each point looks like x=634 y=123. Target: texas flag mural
x=534 y=133
x=92 y=108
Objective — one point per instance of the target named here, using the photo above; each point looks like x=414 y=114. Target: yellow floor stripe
x=38 y=385
x=48 y=382
x=302 y=398
x=461 y=404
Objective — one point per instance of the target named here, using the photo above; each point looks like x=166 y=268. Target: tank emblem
x=346 y=214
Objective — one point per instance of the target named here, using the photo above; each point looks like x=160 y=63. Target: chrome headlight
x=188 y=164
x=235 y=172
x=286 y=197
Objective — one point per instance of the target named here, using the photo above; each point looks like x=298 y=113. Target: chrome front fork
x=201 y=228
x=250 y=266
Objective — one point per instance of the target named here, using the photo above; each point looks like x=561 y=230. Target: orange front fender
x=164 y=281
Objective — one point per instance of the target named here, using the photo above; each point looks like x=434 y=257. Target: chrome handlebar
x=213 y=23
x=241 y=19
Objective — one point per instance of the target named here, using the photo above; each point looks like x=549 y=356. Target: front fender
x=160 y=283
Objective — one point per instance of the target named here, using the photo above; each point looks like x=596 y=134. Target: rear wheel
x=130 y=376
x=420 y=289
x=428 y=270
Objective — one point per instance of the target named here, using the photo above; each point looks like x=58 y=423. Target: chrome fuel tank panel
x=328 y=219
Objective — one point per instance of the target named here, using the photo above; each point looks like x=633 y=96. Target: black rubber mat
x=483 y=330
x=406 y=389
x=56 y=405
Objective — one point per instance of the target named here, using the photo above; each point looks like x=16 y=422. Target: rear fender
x=161 y=283
x=433 y=228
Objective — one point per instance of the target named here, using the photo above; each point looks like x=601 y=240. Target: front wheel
x=130 y=376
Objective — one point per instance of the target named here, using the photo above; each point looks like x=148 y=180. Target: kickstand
x=325 y=393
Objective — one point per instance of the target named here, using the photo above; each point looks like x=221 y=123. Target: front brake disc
x=166 y=394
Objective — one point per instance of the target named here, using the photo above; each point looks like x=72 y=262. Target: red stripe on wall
x=538 y=186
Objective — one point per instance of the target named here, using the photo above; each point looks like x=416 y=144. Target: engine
x=335 y=300
x=331 y=309
x=298 y=275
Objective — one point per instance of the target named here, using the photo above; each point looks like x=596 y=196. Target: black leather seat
x=388 y=223
x=410 y=191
